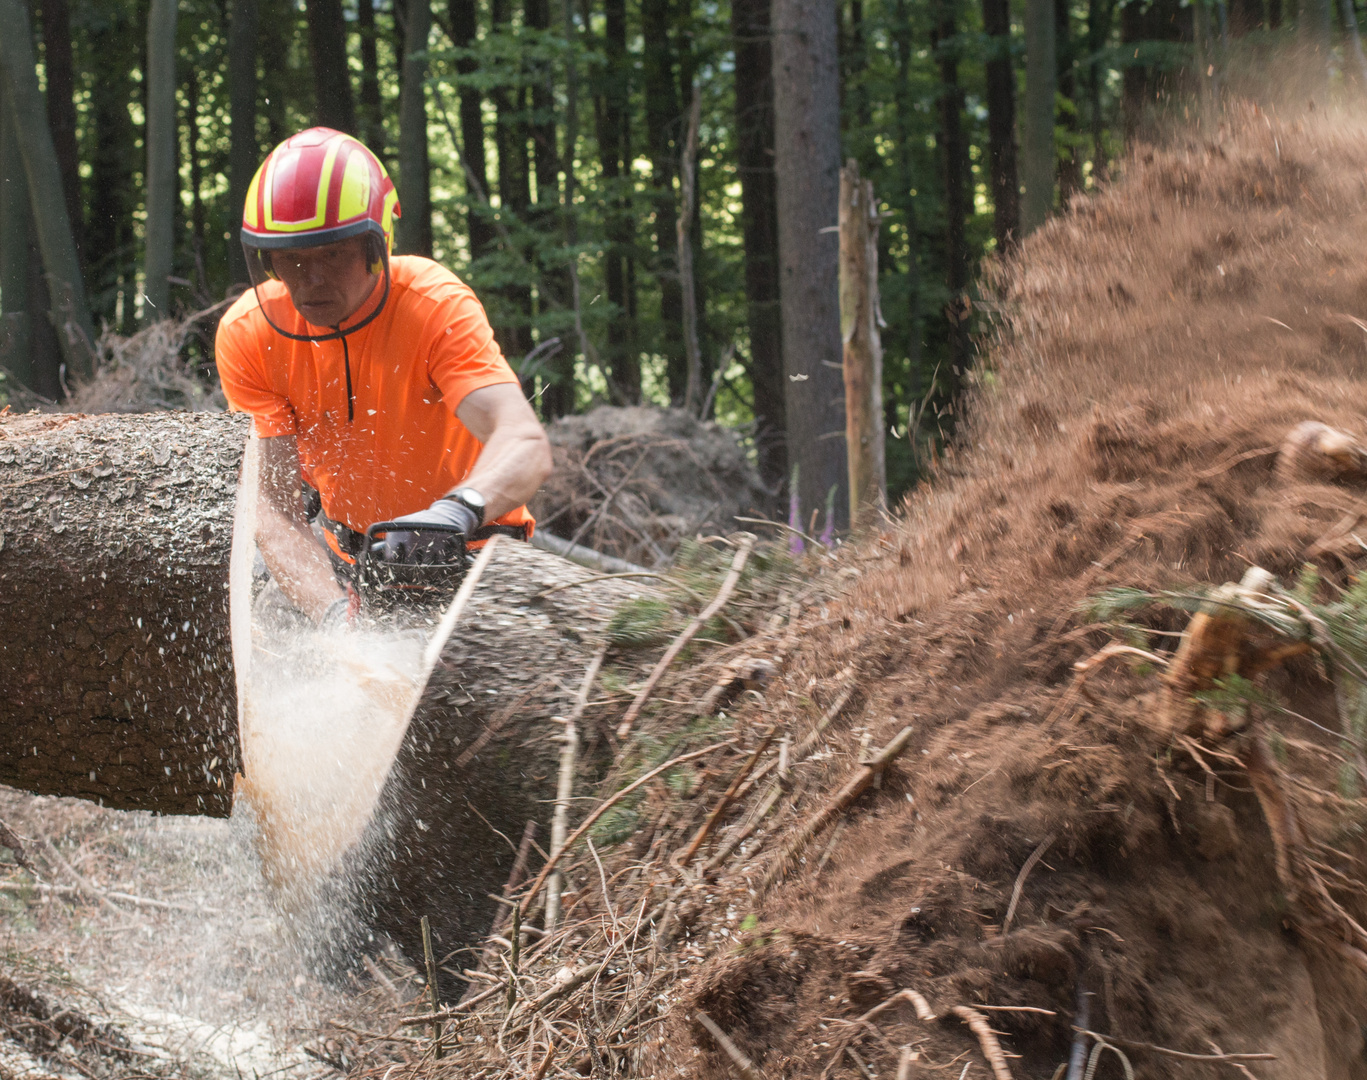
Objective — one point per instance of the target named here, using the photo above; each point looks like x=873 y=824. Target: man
x=376 y=381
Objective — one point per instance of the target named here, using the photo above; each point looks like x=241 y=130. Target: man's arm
x=296 y=560
x=517 y=455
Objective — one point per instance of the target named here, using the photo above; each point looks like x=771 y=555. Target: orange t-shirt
x=410 y=369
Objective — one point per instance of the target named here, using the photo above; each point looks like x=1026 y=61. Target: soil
x=1159 y=342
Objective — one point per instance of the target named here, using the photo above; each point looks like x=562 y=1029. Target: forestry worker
x=375 y=380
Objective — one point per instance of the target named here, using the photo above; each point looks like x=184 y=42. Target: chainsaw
x=425 y=567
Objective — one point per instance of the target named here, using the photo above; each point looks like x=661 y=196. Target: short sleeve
x=244 y=383
x=464 y=355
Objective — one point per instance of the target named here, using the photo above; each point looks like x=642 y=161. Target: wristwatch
x=471 y=499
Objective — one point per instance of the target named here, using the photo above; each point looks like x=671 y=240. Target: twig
x=583 y=975
x=383 y=979
x=564 y=792
x=743 y=1064
x=832 y=712
x=1035 y=857
x=859 y=783
x=783 y=526
x=1130 y=1044
x=1015 y=1008
x=10 y=839
x=853 y=1055
x=431 y=961
x=545 y=1065
x=924 y=1012
x=451 y=1011
x=699 y=621
x=603 y=808
x=992 y=1050
x=726 y=798
x=82 y=884
x=512 y=959
x=91 y=891
x=906 y=1068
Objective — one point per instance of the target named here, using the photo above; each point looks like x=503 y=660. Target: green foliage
x=617 y=824
x=642 y=622
x=1110 y=604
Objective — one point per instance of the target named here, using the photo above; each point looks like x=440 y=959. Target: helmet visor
x=319 y=292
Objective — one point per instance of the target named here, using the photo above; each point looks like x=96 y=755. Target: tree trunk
x=130 y=698
x=1041 y=82
x=623 y=353
x=954 y=148
x=807 y=168
x=465 y=32
x=197 y=212
x=1314 y=27
x=371 y=116
x=1100 y=16
x=415 y=226
x=905 y=50
x=333 y=103
x=1070 y=164
x=1134 y=80
x=277 y=76
x=754 y=103
x=663 y=138
x=61 y=106
x=118 y=529
x=160 y=137
x=110 y=249
x=52 y=227
x=863 y=349
x=1350 y=25
x=242 y=146
x=15 y=348
x=1001 y=123
x=514 y=189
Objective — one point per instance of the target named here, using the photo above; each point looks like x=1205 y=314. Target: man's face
x=326 y=284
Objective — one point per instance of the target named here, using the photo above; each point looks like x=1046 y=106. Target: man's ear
x=374 y=254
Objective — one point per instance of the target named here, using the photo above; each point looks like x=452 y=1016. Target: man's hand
x=430 y=547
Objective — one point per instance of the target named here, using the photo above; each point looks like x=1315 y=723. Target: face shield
x=319 y=286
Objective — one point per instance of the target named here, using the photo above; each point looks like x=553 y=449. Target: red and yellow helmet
x=318 y=187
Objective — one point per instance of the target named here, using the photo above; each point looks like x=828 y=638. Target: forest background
x=652 y=182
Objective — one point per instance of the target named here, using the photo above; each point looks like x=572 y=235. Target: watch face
x=471 y=497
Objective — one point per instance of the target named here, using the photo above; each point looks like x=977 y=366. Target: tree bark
x=15 y=354
x=514 y=188
x=465 y=32
x=905 y=49
x=807 y=169
x=1070 y=164
x=614 y=143
x=371 y=116
x=663 y=139
x=1041 y=82
x=110 y=248
x=160 y=140
x=863 y=349
x=61 y=106
x=954 y=161
x=334 y=105
x=1001 y=123
x=415 y=226
x=117 y=529
x=243 y=150
x=76 y=333
x=754 y=104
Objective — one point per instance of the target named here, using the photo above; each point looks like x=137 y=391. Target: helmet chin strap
x=337 y=332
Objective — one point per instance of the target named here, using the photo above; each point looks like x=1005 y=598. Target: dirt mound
x=635 y=481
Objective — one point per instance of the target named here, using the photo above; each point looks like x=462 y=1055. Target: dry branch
x=743 y=1064
x=1035 y=857
x=1130 y=1044
x=859 y=783
x=992 y=1049
x=700 y=620
x=726 y=798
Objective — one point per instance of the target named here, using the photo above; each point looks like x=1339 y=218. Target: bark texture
x=117 y=677
x=807 y=165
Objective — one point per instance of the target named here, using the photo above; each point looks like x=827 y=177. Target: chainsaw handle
x=381 y=527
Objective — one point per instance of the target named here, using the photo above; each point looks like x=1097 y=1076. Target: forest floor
x=1054 y=838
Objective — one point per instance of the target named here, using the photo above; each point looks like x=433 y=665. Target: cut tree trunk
x=118 y=677
x=116 y=672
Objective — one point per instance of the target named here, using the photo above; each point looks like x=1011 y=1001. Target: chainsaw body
x=426 y=566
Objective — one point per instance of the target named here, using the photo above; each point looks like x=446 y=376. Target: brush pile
x=986 y=799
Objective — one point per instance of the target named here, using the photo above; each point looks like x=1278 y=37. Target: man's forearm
x=509 y=470
x=297 y=562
